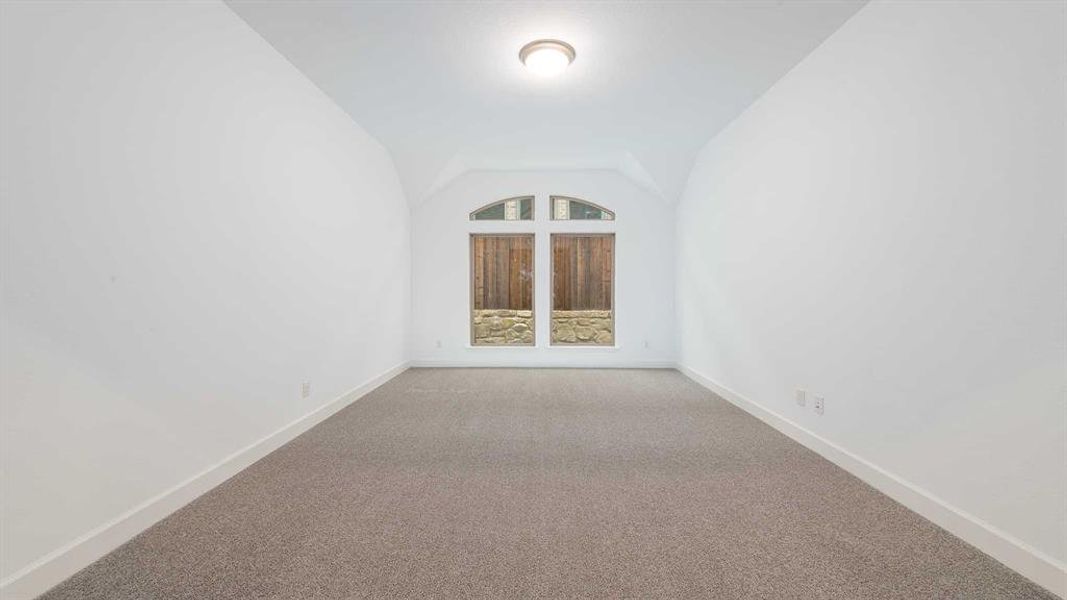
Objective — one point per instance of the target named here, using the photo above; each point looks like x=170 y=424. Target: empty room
x=338 y=299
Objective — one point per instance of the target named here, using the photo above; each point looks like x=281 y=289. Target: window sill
x=549 y=346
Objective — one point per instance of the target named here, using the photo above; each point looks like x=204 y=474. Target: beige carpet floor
x=499 y=483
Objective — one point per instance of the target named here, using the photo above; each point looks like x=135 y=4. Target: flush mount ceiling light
x=547 y=57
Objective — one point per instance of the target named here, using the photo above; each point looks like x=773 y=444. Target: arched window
x=582 y=308
x=573 y=209
x=511 y=209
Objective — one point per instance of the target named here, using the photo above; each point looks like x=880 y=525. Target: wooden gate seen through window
x=502 y=290
x=583 y=289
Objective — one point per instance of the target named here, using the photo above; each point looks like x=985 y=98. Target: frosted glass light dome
x=547 y=58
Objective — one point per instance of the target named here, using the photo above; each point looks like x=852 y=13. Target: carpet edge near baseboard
x=56 y=566
x=1013 y=553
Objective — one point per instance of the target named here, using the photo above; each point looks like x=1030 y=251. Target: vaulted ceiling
x=441 y=86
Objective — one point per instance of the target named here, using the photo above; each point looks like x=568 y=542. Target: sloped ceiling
x=441 y=86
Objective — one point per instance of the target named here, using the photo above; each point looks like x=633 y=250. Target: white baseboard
x=60 y=564
x=1013 y=553
x=577 y=363
x=53 y=568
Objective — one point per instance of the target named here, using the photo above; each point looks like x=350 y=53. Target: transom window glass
x=573 y=209
x=512 y=209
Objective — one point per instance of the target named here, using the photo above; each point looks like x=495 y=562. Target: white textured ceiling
x=441 y=86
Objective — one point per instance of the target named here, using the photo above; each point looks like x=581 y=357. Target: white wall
x=190 y=229
x=644 y=280
x=885 y=227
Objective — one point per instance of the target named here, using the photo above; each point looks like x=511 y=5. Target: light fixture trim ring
x=545 y=44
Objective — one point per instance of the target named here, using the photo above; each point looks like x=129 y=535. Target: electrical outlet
x=802 y=397
x=438 y=343
x=820 y=405
x=305 y=389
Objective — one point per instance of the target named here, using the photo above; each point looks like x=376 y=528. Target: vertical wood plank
x=478 y=248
